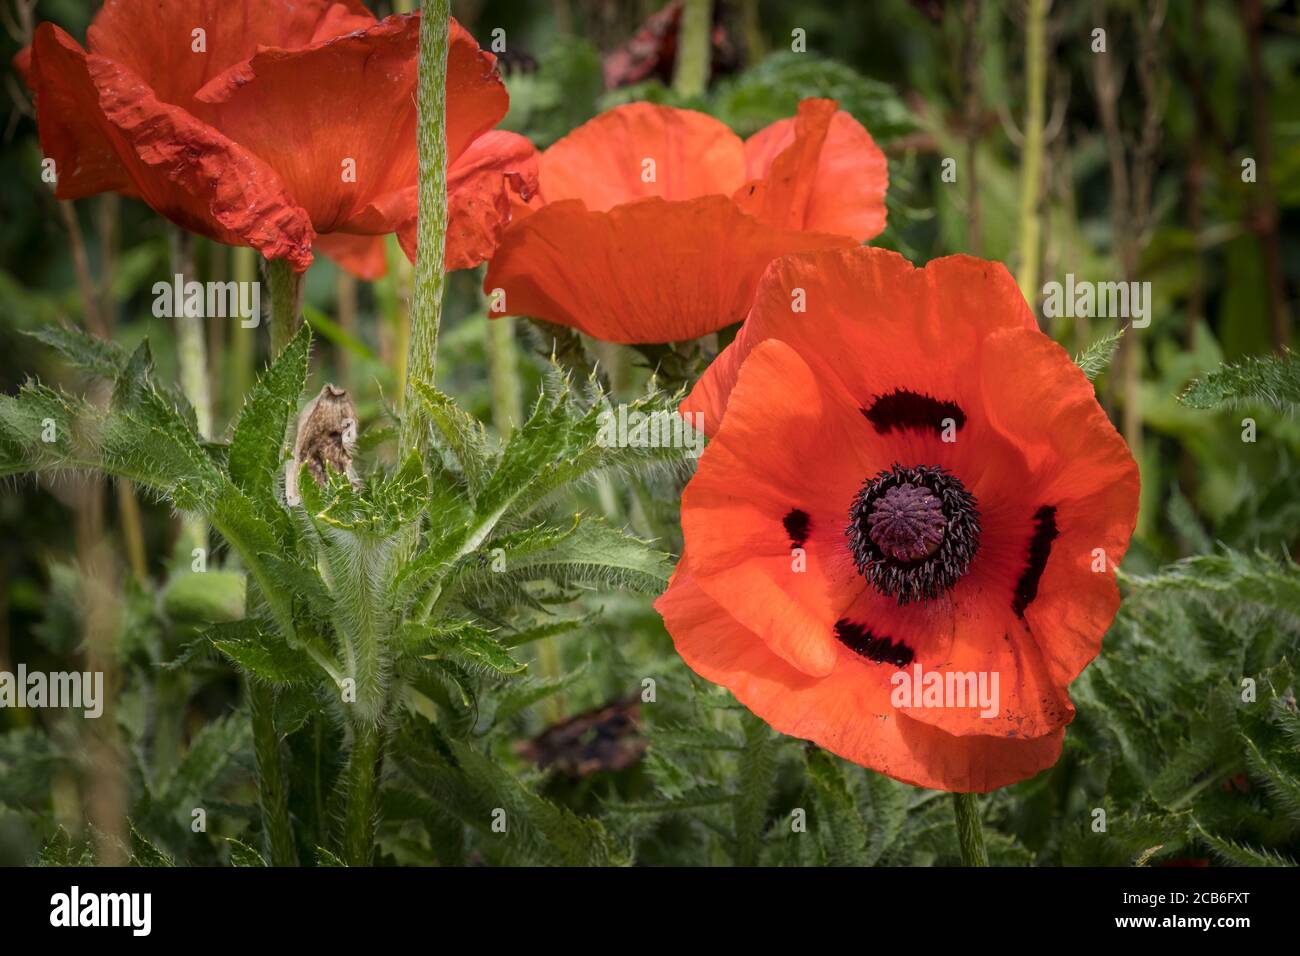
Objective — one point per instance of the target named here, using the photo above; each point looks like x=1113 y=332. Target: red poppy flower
x=908 y=478
x=269 y=124
x=655 y=223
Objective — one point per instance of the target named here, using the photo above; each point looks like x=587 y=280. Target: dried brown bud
x=327 y=436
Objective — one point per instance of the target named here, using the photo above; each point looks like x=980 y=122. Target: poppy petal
x=365 y=257
x=69 y=121
x=789 y=443
x=649 y=271
x=858 y=301
x=847 y=712
x=1083 y=470
x=483 y=185
x=640 y=150
x=161 y=42
x=195 y=176
x=311 y=115
x=819 y=170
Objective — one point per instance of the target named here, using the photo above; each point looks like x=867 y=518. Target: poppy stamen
x=913 y=531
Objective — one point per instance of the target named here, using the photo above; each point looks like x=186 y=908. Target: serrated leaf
x=1241 y=578
x=262 y=655
x=461 y=436
x=325 y=858
x=1096 y=358
x=476 y=790
x=1238 y=854
x=144 y=853
x=837 y=823
x=101 y=357
x=472 y=645
x=257 y=444
x=241 y=854
x=1266 y=380
x=585 y=552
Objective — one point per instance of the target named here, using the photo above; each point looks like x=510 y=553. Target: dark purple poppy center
x=913 y=531
x=907 y=523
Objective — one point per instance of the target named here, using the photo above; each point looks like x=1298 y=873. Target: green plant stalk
x=364 y=639
x=503 y=375
x=285 y=287
x=694 y=49
x=970 y=833
x=361 y=778
x=272 y=786
x=1031 y=162
x=431 y=233
x=192 y=363
x=361 y=773
x=243 y=342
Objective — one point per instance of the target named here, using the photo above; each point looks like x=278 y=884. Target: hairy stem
x=243 y=342
x=272 y=785
x=1031 y=162
x=285 y=287
x=430 y=280
x=971 y=120
x=970 y=834
x=192 y=363
x=362 y=781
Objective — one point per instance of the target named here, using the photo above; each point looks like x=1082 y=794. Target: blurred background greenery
x=1126 y=165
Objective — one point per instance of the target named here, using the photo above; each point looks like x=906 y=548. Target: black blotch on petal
x=797 y=525
x=859 y=639
x=1040 y=549
x=901 y=409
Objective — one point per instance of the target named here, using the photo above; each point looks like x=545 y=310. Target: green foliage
x=371 y=597
x=773 y=89
x=1268 y=380
x=1097 y=357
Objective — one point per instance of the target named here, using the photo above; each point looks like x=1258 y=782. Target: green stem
x=243 y=342
x=503 y=374
x=192 y=363
x=1031 y=165
x=431 y=105
x=694 y=49
x=271 y=780
x=362 y=781
x=285 y=287
x=970 y=834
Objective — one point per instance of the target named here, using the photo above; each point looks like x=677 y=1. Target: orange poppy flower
x=655 y=223
x=271 y=124
x=900 y=539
